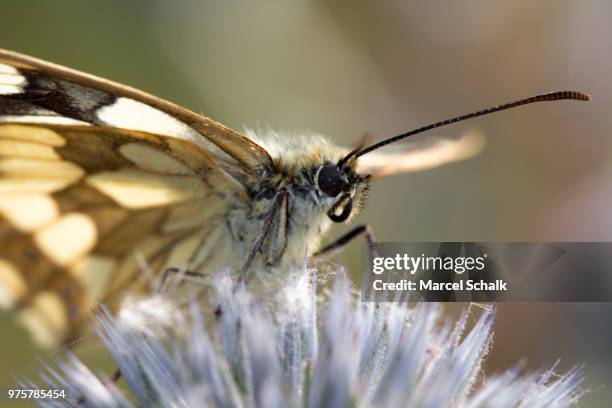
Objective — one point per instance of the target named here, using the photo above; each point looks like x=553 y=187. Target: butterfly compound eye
x=330 y=180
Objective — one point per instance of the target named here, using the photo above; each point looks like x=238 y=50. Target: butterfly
x=94 y=175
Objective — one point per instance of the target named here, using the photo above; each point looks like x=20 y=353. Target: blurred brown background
x=341 y=68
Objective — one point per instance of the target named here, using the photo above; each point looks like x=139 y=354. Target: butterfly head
x=343 y=187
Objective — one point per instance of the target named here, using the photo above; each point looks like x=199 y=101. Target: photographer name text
x=431 y=285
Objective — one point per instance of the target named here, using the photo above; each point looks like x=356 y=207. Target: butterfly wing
x=420 y=154
x=94 y=176
x=39 y=91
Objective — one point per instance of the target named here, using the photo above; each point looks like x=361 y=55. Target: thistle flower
x=295 y=349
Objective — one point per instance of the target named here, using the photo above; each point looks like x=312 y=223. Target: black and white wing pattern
x=93 y=175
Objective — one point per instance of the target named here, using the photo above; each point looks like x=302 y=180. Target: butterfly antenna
x=551 y=96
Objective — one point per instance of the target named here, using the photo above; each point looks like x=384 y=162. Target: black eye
x=330 y=180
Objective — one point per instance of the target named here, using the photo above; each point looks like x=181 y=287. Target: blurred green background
x=341 y=68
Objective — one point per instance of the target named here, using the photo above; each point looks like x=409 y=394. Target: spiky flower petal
x=297 y=350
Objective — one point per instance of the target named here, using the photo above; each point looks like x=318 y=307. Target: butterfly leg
x=263 y=233
x=172 y=271
x=341 y=243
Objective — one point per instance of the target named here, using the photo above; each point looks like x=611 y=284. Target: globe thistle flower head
x=295 y=348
